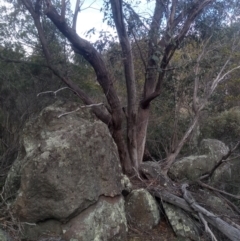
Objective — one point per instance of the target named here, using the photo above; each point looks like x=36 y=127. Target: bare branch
x=233 y=206
x=151 y=74
x=172 y=14
x=139 y=49
x=219 y=78
x=77 y=9
x=53 y=92
x=63 y=10
x=207 y=229
x=196 y=72
x=83 y=47
x=217 y=190
x=231 y=232
x=135 y=15
x=84 y=106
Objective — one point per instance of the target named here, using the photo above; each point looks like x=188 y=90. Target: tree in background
x=164 y=33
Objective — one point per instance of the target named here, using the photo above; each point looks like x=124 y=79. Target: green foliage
x=224 y=126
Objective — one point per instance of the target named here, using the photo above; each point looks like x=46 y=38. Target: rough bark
x=117 y=12
x=114 y=119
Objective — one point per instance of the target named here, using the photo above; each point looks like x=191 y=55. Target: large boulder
x=142 y=210
x=65 y=165
x=192 y=167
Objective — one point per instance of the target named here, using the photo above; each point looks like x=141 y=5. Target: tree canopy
x=172 y=61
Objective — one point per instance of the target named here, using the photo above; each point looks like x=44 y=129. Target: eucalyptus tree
x=164 y=30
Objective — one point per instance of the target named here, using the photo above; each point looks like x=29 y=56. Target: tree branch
x=84 y=48
x=231 y=232
x=217 y=190
x=102 y=115
x=63 y=10
x=170 y=46
x=77 y=9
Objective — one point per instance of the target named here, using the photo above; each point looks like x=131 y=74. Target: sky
x=91 y=17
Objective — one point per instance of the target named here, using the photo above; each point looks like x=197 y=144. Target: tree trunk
x=122 y=150
x=117 y=11
x=142 y=125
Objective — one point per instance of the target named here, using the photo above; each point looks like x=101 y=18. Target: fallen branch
x=190 y=200
x=217 y=190
x=230 y=204
x=207 y=229
x=230 y=231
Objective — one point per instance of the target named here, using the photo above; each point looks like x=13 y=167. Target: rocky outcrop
x=192 y=167
x=66 y=166
x=142 y=210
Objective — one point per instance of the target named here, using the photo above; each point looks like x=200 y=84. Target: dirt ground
x=163 y=232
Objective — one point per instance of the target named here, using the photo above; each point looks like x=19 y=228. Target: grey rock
x=150 y=169
x=214 y=148
x=142 y=210
x=68 y=163
x=50 y=229
x=183 y=225
x=126 y=185
x=192 y=167
x=103 y=221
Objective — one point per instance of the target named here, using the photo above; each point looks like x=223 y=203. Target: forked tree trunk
x=131 y=154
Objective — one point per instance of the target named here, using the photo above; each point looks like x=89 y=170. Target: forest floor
x=162 y=232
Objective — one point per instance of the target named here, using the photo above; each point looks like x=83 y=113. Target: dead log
x=231 y=232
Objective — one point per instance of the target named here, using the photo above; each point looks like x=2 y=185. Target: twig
x=190 y=200
x=217 y=190
x=230 y=204
x=83 y=106
x=207 y=229
x=54 y=92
